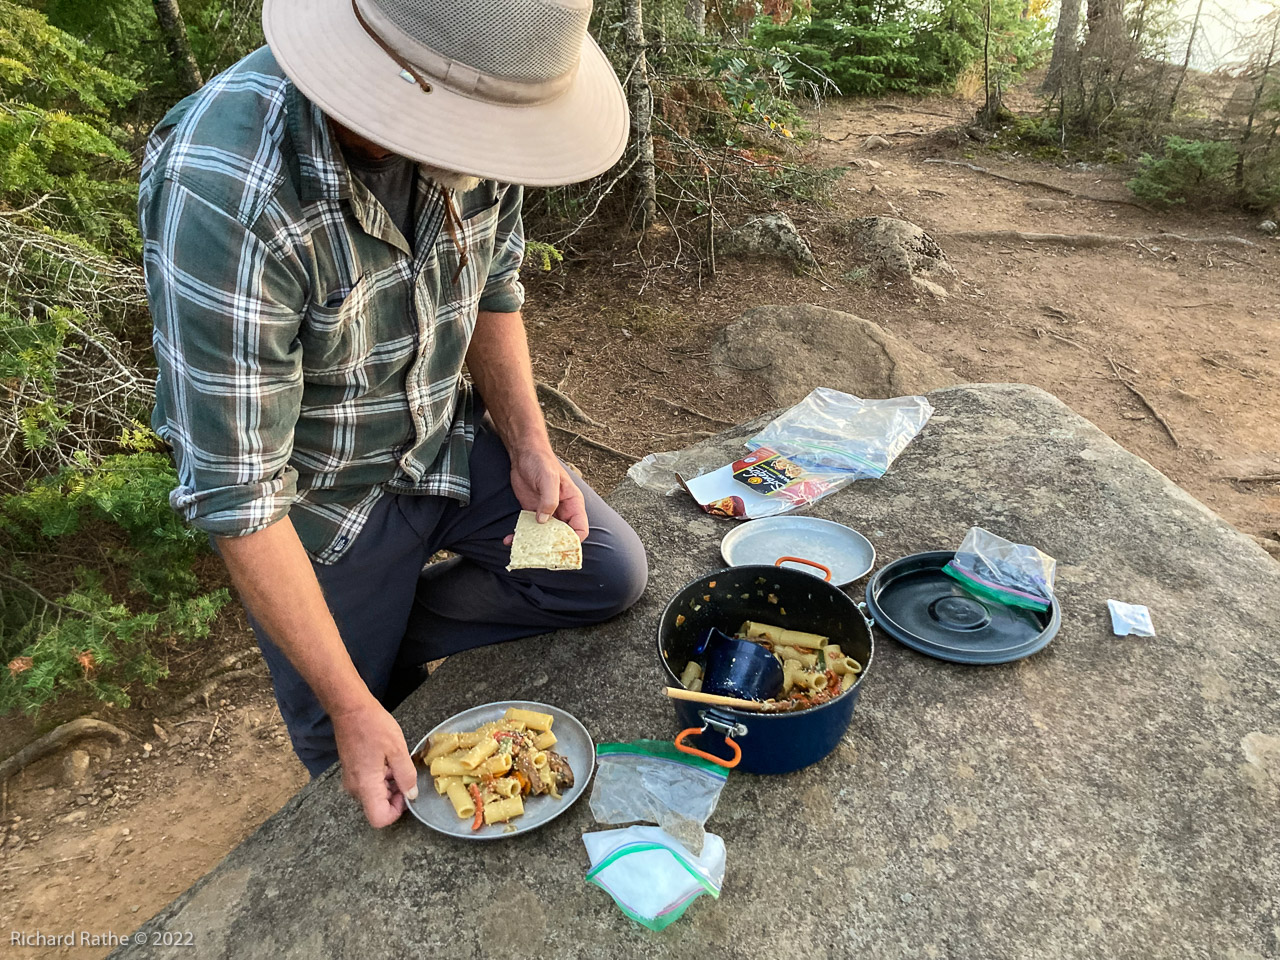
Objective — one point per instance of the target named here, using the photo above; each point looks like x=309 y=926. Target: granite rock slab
x=1108 y=797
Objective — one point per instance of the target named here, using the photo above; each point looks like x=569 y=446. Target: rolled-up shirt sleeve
x=503 y=291
x=227 y=308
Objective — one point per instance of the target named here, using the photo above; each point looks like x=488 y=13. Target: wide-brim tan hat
x=510 y=90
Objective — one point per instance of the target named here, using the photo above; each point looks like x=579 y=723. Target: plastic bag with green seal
x=651 y=876
x=651 y=781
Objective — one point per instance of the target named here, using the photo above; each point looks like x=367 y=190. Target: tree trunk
x=1106 y=35
x=696 y=11
x=1186 y=61
x=645 y=210
x=175 y=37
x=1263 y=76
x=1065 y=43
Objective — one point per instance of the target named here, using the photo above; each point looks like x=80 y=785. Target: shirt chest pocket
x=464 y=279
x=336 y=337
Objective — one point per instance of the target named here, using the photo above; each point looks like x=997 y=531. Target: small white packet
x=651 y=876
x=1130 y=618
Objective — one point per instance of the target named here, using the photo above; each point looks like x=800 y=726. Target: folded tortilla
x=545 y=546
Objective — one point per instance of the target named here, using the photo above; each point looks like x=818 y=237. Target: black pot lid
x=918 y=605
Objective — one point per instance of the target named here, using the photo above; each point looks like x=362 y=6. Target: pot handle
x=866 y=615
x=695 y=752
x=826 y=571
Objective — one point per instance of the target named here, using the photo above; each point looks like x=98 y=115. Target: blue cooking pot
x=784 y=597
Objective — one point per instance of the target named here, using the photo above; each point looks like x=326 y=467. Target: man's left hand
x=541 y=484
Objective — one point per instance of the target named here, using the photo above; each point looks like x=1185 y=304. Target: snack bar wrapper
x=762 y=484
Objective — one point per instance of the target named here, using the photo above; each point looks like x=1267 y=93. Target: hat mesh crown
x=527 y=40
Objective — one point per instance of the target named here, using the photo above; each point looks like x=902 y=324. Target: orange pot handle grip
x=826 y=571
x=694 y=751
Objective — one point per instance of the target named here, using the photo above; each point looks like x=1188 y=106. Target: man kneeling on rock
x=319 y=272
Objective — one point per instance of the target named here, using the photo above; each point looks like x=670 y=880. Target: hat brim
x=325 y=51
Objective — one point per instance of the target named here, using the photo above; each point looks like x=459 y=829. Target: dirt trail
x=1195 y=328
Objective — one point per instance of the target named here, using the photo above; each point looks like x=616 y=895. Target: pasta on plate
x=487 y=773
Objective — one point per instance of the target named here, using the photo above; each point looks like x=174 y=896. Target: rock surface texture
x=772 y=235
x=1107 y=798
x=900 y=249
x=797 y=347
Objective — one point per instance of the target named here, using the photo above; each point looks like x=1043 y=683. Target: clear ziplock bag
x=1015 y=574
x=651 y=781
x=650 y=875
x=834 y=433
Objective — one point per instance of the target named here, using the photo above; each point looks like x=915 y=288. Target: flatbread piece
x=544 y=546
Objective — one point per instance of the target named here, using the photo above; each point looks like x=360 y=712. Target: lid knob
x=959 y=613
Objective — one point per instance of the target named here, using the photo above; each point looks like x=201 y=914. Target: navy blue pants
x=394 y=615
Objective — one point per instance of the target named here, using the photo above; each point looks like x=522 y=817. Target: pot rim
x=754 y=717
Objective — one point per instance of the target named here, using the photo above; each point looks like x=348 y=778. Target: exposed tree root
x=56 y=738
x=1051 y=187
x=692 y=412
x=596 y=444
x=202 y=693
x=1087 y=239
x=574 y=412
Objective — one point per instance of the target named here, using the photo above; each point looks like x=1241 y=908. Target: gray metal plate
x=848 y=554
x=572 y=740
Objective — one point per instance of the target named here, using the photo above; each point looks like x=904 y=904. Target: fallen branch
x=1227 y=366
x=48 y=863
x=604 y=447
x=898 y=108
x=692 y=412
x=1147 y=403
x=1051 y=187
x=1084 y=239
x=566 y=404
x=1042 y=332
x=1257 y=478
x=57 y=737
x=895 y=133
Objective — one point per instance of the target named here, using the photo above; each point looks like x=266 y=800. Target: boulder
x=797 y=347
x=875 y=142
x=1109 y=797
x=770 y=235
x=900 y=248
x=1268 y=227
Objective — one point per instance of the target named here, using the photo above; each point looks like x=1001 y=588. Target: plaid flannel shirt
x=310 y=358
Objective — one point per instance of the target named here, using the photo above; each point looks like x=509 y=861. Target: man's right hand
x=376 y=767
x=277 y=583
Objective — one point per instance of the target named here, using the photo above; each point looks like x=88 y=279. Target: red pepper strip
x=506 y=735
x=478 y=822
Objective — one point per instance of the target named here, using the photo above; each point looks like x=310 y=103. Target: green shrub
x=872 y=48
x=545 y=255
x=61 y=153
x=864 y=48
x=1198 y=173
x=97 y=638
